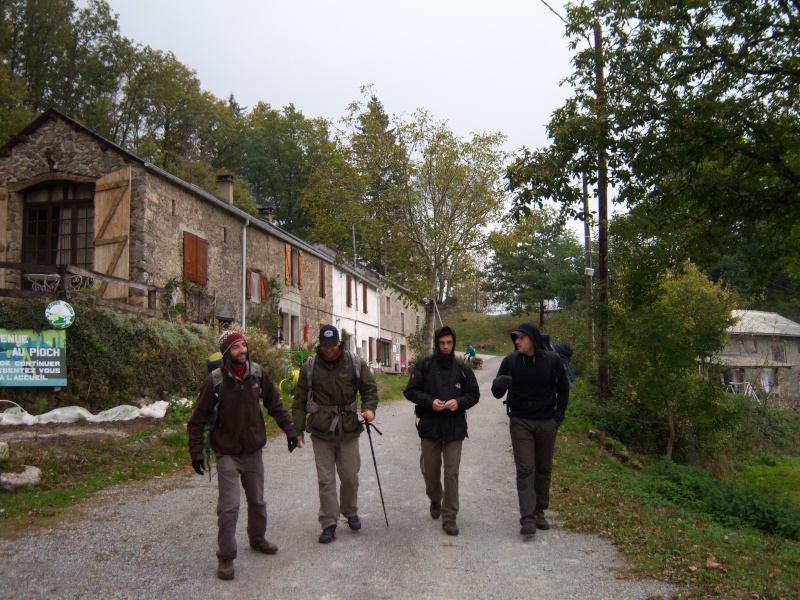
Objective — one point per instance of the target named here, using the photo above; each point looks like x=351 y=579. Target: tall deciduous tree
x=420 y=195
x=283 y=151
x=660 y=345
x=701 y=123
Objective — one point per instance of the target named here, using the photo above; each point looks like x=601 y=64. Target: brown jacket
x=240 y=425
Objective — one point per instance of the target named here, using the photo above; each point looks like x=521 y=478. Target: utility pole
x=589 y=272
x=602 y=197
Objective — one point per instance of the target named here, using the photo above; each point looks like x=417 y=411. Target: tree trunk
x=671 y=424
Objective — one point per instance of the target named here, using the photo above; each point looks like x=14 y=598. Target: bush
x=694 y=489
x=115 y=358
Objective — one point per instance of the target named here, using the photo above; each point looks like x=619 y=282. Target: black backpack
x=564 y=352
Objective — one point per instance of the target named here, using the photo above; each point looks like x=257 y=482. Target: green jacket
x=334 y=385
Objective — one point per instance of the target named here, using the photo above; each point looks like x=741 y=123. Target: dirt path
x=158 y=540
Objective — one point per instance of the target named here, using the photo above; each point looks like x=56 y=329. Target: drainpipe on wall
x=244 y=270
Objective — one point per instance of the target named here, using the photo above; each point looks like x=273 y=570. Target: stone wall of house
x=397 y=319
x=55 y=151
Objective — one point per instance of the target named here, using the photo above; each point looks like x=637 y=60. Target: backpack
x=312 y=407
x=564 y=352
x=216 y=377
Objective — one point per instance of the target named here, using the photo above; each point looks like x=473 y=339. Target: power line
x=553 y=11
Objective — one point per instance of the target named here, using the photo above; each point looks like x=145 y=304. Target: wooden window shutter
x=288 y=277
x=364 y=295
x=195 y=258
x=349 y=291
x=264 y=288
x=300 y=269
x=321 y=279
x=202 y=261
x=248 y=292
x=189 y=253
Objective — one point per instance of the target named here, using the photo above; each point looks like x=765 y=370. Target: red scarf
x=238 y=370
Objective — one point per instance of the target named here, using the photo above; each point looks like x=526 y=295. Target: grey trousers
x=332 y=457
x=230 y=469
x=433 y=454
x=534 y=443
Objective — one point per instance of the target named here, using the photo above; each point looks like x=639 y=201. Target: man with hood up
x=443 y=388
x=238 y=436
x=538 y=392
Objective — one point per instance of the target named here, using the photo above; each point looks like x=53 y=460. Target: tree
x=661 y=344
x=420 y=194
x=700 y=121
x=283 y=150
x=535 y=260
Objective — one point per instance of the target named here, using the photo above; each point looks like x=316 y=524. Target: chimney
x=265 y=213
x=225 y=188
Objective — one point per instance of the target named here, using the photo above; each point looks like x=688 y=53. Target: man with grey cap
x=326 y=405
x=538 y=392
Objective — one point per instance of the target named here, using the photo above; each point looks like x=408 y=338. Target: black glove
x=292 y=442
x=502 y=382
x=559 y=417
x=198 y=465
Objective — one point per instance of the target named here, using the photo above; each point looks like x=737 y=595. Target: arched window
x=59 y=225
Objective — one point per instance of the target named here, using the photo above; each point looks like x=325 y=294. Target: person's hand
x=292 y=442
x=451 y=405
x=438 y=405
x=301 y=440
x=559 y=417
x=502 y=382
x=198 y=465
x=368 y=416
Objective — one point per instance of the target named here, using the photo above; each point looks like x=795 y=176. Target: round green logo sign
x=59 y=314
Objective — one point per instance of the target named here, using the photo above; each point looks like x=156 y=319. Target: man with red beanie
x=238 y=435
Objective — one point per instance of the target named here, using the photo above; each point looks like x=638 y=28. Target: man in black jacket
x=538 y=392
x=443 y=388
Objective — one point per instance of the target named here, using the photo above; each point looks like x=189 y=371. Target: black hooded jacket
x=540 y=385
x=443 y=377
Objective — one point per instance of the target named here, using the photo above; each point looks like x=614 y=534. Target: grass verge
x=595 y=493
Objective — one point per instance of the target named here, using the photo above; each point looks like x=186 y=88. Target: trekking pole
x=378 y=477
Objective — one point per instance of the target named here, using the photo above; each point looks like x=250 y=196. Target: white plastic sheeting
x=70 y=414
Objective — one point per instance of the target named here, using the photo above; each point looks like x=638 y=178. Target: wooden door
x=112 y=224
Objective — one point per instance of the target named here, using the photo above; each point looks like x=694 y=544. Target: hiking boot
x=436 y=509
x=541 y=522
x=354 y=522
x=265 y=547
x=528 y=530
x=225 y=569
x=328 y=534
x=450 y=527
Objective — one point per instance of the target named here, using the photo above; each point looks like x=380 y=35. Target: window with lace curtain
x=59 y=225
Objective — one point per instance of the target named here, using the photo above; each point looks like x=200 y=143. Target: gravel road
x=158 y=539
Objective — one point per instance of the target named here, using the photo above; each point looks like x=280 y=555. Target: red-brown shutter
x=264 y=288
x=201 y=263
x=300 y=269
x=195 y=258
x=349 y=291
x=248 y=292
x=189 y=254
x=321 y=279
x=288 y=277
x=364 y=289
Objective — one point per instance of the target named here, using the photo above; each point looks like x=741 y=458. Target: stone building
x=77 y=211
x=762 y=356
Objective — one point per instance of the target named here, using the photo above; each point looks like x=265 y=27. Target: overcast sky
x=483 y=66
